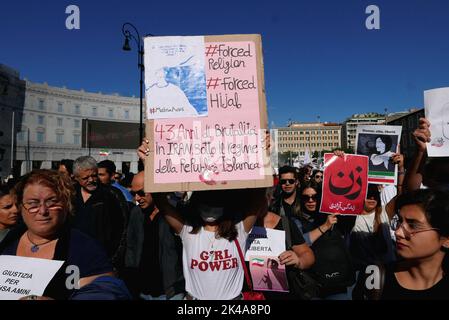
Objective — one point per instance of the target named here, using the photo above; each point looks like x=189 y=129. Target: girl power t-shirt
x=212 y=267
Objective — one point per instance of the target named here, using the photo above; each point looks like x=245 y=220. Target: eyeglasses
x=34 y=206
x=319 y=176
x=307 y=198
x=141 y=193
x=409 y=229
x=284 y=181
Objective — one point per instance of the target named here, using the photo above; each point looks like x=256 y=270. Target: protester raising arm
x=144 y=150
x=421 y=135
x=315 y=234
x=173 y=217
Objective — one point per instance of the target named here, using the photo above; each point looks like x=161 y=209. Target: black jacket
x=100 y=217
x=169 y=249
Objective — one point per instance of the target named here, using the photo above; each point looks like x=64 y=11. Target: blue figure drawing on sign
x=179 y=90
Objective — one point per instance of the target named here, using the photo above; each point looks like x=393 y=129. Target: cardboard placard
x=221 y=145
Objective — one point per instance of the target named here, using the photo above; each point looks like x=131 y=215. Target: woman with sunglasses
x=333 y=267
x=45 y=200
x=318 y=176
x=422 y=243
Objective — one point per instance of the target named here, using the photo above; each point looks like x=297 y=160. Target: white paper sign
x=436 y=104
x=265 y=242
x=22 y=276
x=175 y=78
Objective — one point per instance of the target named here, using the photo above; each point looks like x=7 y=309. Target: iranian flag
x=104 y=153
x=257 y=262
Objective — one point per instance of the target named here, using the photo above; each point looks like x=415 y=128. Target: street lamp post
x=126 y=30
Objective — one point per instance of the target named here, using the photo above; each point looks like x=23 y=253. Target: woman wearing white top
x=370 y=240
x=208 y=228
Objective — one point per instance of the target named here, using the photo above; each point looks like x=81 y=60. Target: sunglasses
x=318 y=176
x=307 y=198
x=141 y=193
x=284 y=181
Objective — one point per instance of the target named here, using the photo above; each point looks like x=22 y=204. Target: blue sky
x=319 y=57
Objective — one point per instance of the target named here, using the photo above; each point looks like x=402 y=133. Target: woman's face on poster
x=380 y=145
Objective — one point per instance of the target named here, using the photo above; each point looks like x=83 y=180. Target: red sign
x=345 y=183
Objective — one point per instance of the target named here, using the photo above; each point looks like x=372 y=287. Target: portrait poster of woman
x=379 y=143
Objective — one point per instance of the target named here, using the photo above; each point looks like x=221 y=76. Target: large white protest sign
x=436 y=103
x=22 y=276
x=265 y=242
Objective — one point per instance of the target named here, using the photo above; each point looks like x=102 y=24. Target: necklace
x=211 y=241
x=35 y=247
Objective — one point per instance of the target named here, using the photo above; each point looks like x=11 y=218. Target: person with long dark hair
x=210 y=231
x=333 y=266
x=422 y=243
x=9 y=214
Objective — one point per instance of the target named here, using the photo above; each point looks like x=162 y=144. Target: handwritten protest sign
x=344 y=184
x=22 y=276
x=212 y=136
x=379 y=143
x=436 y=104
x=268 y=274
x=265 y=241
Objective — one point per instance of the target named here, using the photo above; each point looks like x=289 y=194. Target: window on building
x=77 y=109
x=60 y=107
x=59 y=138
x=40 y=137
x=126 y=114
x=21 y=135
x=76 y=123
x=111 y=113
x=41 y=105
x=76 y=139
x=94 y=111
x=59 y=120
x=40 y=120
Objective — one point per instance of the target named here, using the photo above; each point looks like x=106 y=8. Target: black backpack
x=302 y=285
x=333 y=266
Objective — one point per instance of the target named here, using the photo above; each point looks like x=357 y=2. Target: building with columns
x=312 y=136
x=51 y=120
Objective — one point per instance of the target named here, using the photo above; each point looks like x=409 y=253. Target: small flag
x=257 y=262
x=104 y=153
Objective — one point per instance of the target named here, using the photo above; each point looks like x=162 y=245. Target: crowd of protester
x=129 y=244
